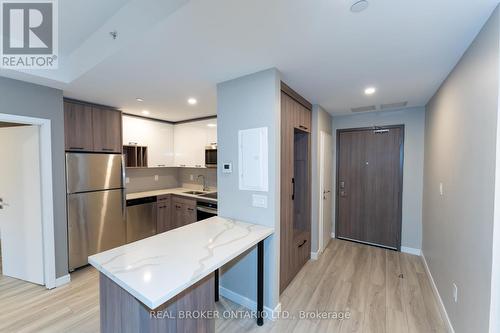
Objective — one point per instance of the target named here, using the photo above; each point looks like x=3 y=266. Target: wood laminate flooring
x=382 y=290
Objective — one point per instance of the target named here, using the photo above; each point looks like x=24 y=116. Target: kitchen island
x=152 y=285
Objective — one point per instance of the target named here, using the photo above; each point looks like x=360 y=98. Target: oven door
x=205 y=211
x=211 y=158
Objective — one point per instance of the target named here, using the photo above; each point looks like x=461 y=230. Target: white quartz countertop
x=178 y=191
x=157 y=268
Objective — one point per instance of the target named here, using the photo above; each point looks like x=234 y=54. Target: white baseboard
x=442 y=309
x=271 y=314
x=411 y=250
x=60 y=281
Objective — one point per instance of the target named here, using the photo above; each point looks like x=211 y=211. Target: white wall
x=460 y=152
x=249 y=102
x=321 y=121
x=414 y=121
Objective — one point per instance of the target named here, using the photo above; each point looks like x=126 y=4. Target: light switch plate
x=127 y=180
x=441 y=190
x=259 y=201
x=156 y=177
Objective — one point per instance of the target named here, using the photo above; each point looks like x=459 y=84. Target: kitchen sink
x=194 y=192
x=212 y=195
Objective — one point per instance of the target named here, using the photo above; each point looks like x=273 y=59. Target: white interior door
x=325 y=187
x=21 y=212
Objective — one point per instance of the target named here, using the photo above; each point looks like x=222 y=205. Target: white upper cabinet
x=181 y=145
x=190 y=140
x=157 y=136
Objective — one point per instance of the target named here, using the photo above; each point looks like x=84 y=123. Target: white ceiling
x=167 y=51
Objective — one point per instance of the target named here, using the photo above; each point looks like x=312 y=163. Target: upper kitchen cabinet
x=91 y=128
x=157 y=136
x=190 y=140
x=107 y=131
x=78 y=127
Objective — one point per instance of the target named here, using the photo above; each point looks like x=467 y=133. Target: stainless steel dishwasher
x=141 y=218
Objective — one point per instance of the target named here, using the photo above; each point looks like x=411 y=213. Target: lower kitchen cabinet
x=164 y=219
x=174 y=212
x=183 y=211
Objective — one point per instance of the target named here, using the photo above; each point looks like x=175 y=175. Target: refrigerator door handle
x=124 y=195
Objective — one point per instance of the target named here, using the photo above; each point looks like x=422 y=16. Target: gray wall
x=26 y=99
x=249 y=102
x=414 y=121
x=185 y=175
x=460 y=152
x=321 y=121
x=143 y=179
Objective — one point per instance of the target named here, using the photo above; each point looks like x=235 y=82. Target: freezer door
x=93 y=172
x=95 y=223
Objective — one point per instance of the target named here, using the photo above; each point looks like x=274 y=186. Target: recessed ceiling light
x=138 y=99
x=370 y=91
x=359 y=6
x=192 y=101
x=146 y=112
x=212 y=125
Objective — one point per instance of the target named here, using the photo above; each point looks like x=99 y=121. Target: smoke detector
x=359 y=6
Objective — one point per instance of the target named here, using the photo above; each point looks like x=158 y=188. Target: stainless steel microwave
x=211 y=156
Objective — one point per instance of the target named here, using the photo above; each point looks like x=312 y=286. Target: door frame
x=321 y=226
x=47 y=203
x=401 y=166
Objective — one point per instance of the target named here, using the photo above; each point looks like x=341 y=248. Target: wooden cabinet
x=183 y=211
x=164 y=218
x=107 y=130
x=92 y=129
x=78 y=127
x=295 y=205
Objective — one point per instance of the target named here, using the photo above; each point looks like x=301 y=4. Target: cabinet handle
x=305 y=241
x=191 y=209
x=80 y=148
x=182 y=165
x=303 y=127
x=133 y=143
x=177 y=206
x=161 y=165
x=198 y=166
x=293 y=188
x=107 y=149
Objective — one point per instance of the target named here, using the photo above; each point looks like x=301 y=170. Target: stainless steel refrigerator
x=96 y=205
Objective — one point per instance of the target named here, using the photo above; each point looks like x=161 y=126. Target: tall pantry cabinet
x=295 y=233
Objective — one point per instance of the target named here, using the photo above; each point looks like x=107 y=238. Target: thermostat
x=227 y=168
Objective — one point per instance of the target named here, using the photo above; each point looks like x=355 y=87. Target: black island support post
x=260 y=283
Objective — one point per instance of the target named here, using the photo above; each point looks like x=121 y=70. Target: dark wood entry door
x=369 y=185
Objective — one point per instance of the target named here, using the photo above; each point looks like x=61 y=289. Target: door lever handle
x=3 y=204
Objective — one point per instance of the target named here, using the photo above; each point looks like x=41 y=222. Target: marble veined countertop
x=178 y=191
x=157 y=268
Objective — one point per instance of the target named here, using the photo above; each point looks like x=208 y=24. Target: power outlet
x=156 y=178
x=441 y=189
x=127 y=180
x=191 y=177
x=455 y=292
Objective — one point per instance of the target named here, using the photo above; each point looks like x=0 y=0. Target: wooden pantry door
x=369 y=185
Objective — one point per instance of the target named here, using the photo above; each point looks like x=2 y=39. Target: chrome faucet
x=205 y=188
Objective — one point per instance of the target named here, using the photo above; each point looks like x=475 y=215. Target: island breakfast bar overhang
x=167 y=283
